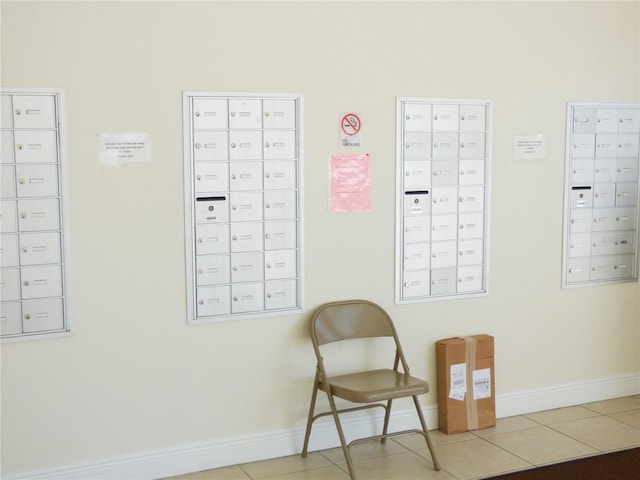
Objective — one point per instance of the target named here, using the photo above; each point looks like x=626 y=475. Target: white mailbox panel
x=417 y=174
x=34 y=111
x=7 y=181
x=280 y=294
x=444 y=173
x=280 y=114
x=38 y=214
x=37 y=180
x=33 y=220
x=417 y=146
x=6 y=146
x=245 y=145
x=245 y=113
x=9 y=250
x=211 y=177
x=417 y=256
x=210 y=146
x=247 y=297
x=443 y=254
x=473 y=118
x=8 y=216
x=471 y=172
x=280 y=235
x=10 y=284
x=211 y=301
x=445 y=145
x=211 y=239
x=441 y=247
x=243 y=174
x=10 y=318
x=279 y=144
x=445 y=117
x=416 y=284
x=605 y=170
x=210 y=113
x=279 y=264
x=444 y=227
x=601 y=215
x=417 y=117
x=40 y=248
x=280 y=175
x=470 y=279
x=417 y=229
x=43 y=314
x=212 y=270
x=36 y=146
x=246 y=236
x=443 y=282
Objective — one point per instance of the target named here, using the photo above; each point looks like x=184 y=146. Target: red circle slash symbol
x=350 y=124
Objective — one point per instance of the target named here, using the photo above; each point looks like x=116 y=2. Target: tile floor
x=515 y=443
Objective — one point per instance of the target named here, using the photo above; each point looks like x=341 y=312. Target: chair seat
x=376 y=385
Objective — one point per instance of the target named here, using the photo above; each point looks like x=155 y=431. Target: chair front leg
x=385 y=427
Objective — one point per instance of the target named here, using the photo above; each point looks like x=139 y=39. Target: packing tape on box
x=470 y=352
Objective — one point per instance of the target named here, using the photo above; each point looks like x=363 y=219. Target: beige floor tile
x=603 y=433
x=403 y=466
x=561 y=415
x=614 y=405
x=541 y=445
x=284 y=465
x=630 y=417
x=324 y=473
x=417 y=442
x=507 y=424
x=477 y=458
x=363 y=451
x=225 y=473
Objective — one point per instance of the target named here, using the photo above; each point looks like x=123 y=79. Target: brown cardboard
x=455 y=415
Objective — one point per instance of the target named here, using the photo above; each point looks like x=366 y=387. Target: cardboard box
x=466 y=383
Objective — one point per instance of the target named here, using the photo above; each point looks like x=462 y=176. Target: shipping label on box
x=466 y=383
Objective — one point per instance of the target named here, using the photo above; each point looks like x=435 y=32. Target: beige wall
x=134 y=378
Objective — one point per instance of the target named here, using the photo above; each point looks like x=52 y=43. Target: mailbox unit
x=34 y=247
x=243 y=171
x=443 y=154
x=601 y=194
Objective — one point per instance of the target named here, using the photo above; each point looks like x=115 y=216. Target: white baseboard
x=281 y=443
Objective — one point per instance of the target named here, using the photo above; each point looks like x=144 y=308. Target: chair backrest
x=348 y=320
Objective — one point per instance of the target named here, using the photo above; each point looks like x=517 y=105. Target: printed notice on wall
x=481 y=383
x=124 y=148
x=530 y=147
x=458 y=381
x=350 y=182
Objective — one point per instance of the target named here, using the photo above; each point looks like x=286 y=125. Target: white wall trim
x=280 y=443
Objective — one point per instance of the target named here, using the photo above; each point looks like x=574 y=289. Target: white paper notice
x=530 y=147
x=481 y=383
x=458 y=381
x=124 y=148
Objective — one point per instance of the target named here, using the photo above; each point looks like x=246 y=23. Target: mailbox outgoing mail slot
x=417 y=202
x=581 y=197
x=212 y=209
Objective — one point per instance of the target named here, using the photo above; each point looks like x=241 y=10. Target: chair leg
x=387 y=414
x=312 y=408
x=436 y=463
x=343 y=443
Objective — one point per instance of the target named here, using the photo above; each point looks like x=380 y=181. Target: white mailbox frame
x=240 y=120
x=589 y=191
x=56 y=323
x=417 y=182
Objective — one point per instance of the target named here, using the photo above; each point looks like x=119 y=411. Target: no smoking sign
x=350 y=130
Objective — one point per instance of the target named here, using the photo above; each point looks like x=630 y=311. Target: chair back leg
x=427 y=437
